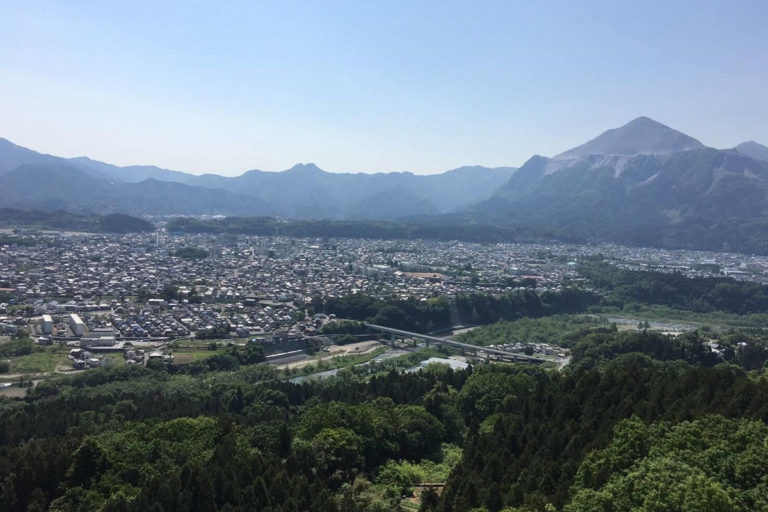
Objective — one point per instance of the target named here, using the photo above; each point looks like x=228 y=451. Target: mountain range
x=29 y=179
x=642 y=183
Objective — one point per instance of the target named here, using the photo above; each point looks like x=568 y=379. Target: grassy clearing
x=200 y=342
x=114 y=358
x=42 y=360
x=181 y=356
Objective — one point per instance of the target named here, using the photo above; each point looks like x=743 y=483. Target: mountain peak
x=753 y=150
x=308 y=168
x=639 y=136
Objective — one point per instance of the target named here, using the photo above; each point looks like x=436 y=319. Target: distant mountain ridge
x=61 y=187
x=642 y=183
x=303 y=191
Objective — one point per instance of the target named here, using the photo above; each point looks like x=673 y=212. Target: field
x=190 y=356
x=41 y=360
x=44 y=361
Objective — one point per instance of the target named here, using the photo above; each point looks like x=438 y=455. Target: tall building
x=76 y=324
x=46 y=324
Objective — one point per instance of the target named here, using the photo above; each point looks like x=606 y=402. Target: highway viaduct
x=487 y=352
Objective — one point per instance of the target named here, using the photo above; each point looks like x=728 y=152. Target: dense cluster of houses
x=108 y=288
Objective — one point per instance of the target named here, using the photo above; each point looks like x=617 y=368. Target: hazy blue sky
x=372 y=85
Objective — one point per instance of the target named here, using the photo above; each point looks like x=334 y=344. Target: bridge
x=487 y=352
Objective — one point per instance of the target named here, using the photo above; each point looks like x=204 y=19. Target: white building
x=46 y=324
x=101 y=341
x=76 y=324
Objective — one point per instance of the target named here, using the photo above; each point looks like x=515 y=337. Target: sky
x=372 y=85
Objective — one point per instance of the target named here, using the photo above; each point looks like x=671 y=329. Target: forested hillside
x=703 y=294
x=435 y=314
x=150 y=439
x=63 y=220
x=377 y=229
x=637 y=419
x=143 y=439
x=528 y=454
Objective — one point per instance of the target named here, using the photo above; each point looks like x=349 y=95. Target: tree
x=429 y=500
x=88 y=462
x=253 y=353
x=170 y=292
x=690 y=466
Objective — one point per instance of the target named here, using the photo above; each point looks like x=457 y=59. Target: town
x=140 y=295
